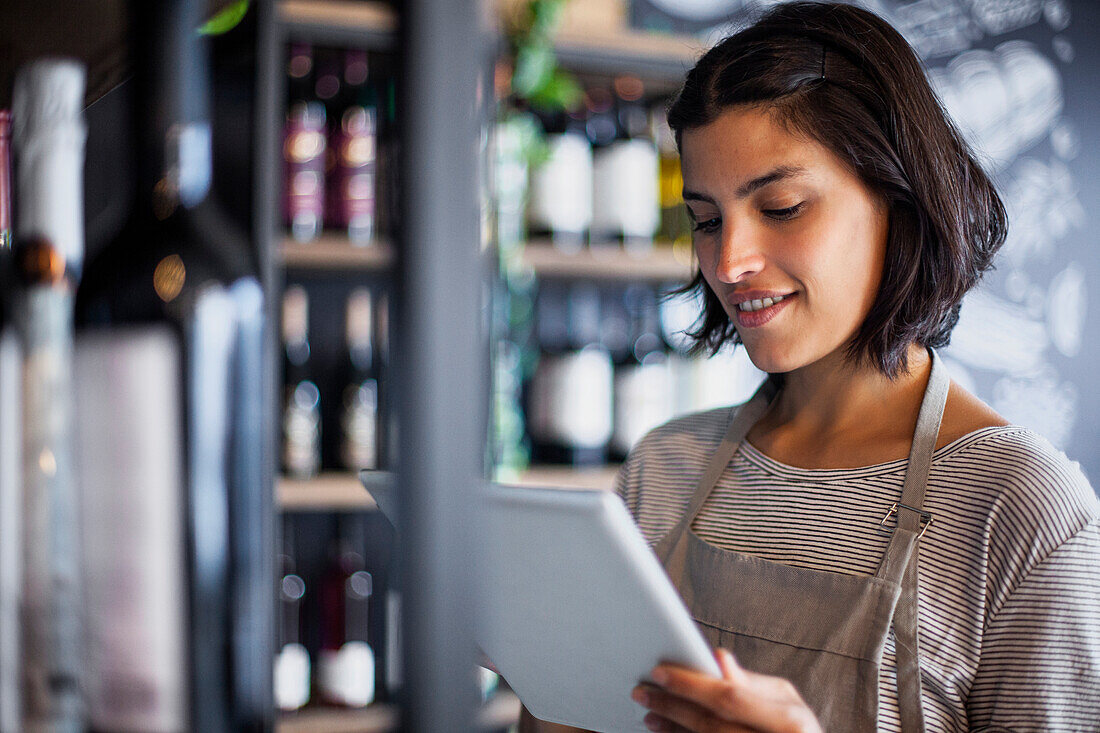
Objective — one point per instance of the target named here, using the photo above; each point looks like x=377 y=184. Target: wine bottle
x=302 y=403
x=292 y=666
x=571 y=400
x=643 y=381
x=304 y=150
x=11 y=463
x=561 y=186
x=49 y=136
x=346 y=665
x=675 y=223
x=625 y=174
x=351 y=190
x=359 y=413
x=173 y=297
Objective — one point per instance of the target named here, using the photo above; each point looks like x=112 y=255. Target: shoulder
x=662 y=469
x=1021 y=471
x=1019 y=492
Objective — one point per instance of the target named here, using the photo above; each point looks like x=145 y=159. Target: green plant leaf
x=534 y=69
x=226 y=19
x=561 y=91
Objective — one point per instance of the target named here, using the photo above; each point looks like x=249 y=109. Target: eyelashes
x=712 y=225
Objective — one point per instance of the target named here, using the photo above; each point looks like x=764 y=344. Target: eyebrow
x=781 y=173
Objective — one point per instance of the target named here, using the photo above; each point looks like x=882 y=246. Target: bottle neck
x=171 y=104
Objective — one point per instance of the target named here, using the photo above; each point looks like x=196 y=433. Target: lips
x=757 y=318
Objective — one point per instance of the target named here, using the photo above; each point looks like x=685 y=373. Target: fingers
x=695 y=699
x=672 y=714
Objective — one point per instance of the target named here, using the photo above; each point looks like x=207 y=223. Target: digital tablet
x=575 y=608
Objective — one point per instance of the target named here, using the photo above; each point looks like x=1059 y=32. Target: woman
x=878 y=548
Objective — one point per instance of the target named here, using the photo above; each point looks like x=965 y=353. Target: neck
x=832 y=396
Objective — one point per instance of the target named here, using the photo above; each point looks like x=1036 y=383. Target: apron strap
x=742 y=419
x=900 y=564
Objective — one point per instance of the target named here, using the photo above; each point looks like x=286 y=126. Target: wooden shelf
x=377 y=718
x=609 y=262
x=366 y=25
x=340 y=491
x=656 y=57
x=500 y=711
x=332 y=491
x=335 y=252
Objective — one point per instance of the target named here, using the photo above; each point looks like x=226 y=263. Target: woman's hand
x=685 y=700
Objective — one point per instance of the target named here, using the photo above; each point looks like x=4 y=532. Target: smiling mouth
x=750 y=306
x=758 y=311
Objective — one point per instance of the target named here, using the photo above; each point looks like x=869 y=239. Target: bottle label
x=302 y=430
x=572 y=401
x=353 y=175
x=625 y=190
x=304 y=147
x=292 y=677
x=561 y=188
x=346 y=675
x=359 y=425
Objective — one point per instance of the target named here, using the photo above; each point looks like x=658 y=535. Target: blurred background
x=580 y=239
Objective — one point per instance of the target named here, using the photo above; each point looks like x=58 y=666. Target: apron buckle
x=925 y=517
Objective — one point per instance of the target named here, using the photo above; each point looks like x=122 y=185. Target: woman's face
x=777 y=216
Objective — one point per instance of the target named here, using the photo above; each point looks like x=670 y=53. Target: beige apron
x=825 y=632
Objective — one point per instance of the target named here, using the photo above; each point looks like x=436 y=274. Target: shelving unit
x=369 y=25
x=335 y=252
x=609 y=262
x=661 y=61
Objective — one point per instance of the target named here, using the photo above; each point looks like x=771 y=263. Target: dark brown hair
x=845 y=78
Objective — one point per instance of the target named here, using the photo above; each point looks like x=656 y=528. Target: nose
x=738 y=256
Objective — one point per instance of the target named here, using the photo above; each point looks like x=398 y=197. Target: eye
x=784 y=214
x=707 y=226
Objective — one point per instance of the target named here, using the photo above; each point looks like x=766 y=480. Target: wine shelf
x=367 y=25
x=501 y=711
x=372 y=25
x=663 y=262
x=341 y=491
x=332 y=491
x=377 y=718
x=336 y=252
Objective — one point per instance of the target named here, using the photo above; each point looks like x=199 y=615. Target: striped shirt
x=1009 y=598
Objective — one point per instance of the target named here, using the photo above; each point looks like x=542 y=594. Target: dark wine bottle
x=302 y=401
x=560 y=205
x=359 y=413
x=625 y=181
x=643 y=379
x=346 y=666
x=292 y=667
x=571 y=401
x=173 y=295
x=354 y=145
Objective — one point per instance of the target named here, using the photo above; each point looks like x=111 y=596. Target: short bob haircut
x=845 y=78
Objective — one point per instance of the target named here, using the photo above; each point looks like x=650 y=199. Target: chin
x=775 y=359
